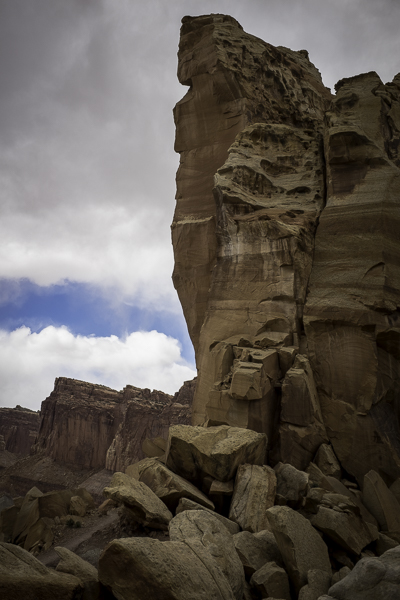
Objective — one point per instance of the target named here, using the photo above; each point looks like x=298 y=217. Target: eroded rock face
x=91 y=426
x=18 y=429
x=287 y=250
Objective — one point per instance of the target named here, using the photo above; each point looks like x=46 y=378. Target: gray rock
x=256 y=549
x=272 y=581
x=186 y=504
x=291 y=483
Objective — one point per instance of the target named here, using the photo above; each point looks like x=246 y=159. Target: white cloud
x=30 y=362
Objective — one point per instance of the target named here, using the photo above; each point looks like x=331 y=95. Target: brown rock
x=143 y=504
x=18 y=428
x=254 y=493
x=381 y=502
x=91 y=426
x=256 y=549
x=291 y=484
x=194 y=452
x=186 y=504
x=272 y=581
x=23 y=576
x=77 y=506
x=73 y=564
x=203 y=527
x=131 y=568
x=168 y=486
x=318 y=584
x=327 y=462
x=344 y=527
x=301 y=547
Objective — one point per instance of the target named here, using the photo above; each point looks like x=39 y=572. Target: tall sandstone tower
x=286 y=236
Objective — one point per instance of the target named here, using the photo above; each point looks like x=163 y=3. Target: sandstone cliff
x=91 y=426
x=287 y=248
x=18 y=429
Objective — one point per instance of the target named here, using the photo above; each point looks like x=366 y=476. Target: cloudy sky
x=87 y=174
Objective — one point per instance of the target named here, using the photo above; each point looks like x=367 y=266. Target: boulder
x=86 y=573
x=339 y=488
x=23 y=576
x=326 y=461
x=344 y=527
x=301 y=546
x=380 y=501
x=194 y=452
x=371 y=579
x=168 y=486
x=77 y=506
x=256 y=549
x=143 y=568
x=203 y=527
x=271 y=581
x=186 y=504
x=318 y=584
x=291 y=484
x=253 y=494
x=143 y=504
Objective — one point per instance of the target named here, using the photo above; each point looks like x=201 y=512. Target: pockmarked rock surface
x=287 y=254
x=142 y=568
x=195 y=452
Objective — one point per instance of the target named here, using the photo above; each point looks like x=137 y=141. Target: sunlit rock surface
x=287 y=247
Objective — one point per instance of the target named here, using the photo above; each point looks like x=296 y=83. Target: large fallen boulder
x=23 y=576
x=205 y=528
x=272 y=581
x=253 y=494
x=382 y=503
x=143 y=505
x=194 y=452
x=301 y=546
x=166 y=484
x=143 y=568
x=186 y=504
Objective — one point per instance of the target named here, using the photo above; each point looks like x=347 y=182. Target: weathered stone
x=254 y=493
x=318 y=584
x=73 y=564
x=298 y=190
x=343 y=527
x=194 y=452
x=92 y=426
x=318 y=479
x=384 y=543
x=291 y=484
x=155 y=447
x=371 y=579
x=256 y=549
x=301 y=547
x=8 y=518
x=338 y=488
x=327 y=462
x=142 y=568
x=380 y=501
x=272 y=581
x=222 y=488
x=341 y=574
x=145 y=507
x=23 y=576
x=186 y=504
x=77 y=506
x=395 y=489
x=18 y=428
x=168 y=486
x=203 y=527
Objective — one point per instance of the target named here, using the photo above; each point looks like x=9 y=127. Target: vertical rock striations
x=91 y=426
x=287 y=252
x=18 y=429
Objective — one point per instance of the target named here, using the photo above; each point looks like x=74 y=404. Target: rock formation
x=18 y=430
x=287 y=252
x=93 y=427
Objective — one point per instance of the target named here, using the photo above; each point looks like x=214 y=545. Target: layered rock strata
x=18 y=429
x=94 y=427
x=287 y=250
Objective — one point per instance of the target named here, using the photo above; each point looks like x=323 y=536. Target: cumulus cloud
x=29 y=362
